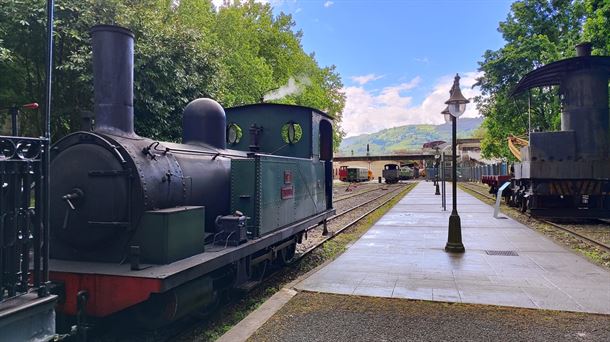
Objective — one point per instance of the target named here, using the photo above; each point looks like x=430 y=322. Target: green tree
x=537 y=32
x=597 y=26
x=184 y=50
x=173 y=64
x=262 y=52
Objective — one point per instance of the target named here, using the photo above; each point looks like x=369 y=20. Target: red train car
x=343 y=173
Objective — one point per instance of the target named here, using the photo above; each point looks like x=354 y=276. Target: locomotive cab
x=289 y=164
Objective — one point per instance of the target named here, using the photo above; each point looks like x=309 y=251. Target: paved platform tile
x=402 y=256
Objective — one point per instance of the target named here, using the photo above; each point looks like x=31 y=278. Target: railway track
x=568 y=230
x=354 y=194
x=394 y=189
x=395 y=193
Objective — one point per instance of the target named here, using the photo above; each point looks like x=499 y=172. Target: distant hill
x=407 y=137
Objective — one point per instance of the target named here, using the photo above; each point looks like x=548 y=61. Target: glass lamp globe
x=446 y=114
x=457 y=109
x=447 y=117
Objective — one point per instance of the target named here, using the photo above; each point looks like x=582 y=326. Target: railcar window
x=7 y=149
x=234 y=133
x=28 y=150
x=292 y=132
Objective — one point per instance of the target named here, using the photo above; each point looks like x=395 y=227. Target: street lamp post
x=437 y=155
x=447 y=117
x=456 y=106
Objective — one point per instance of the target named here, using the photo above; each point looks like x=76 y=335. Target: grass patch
x=228 y=315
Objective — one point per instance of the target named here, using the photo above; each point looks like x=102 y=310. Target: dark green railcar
x=405 y=173
x=357 y=174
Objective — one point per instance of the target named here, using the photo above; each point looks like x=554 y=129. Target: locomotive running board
x=182 y=271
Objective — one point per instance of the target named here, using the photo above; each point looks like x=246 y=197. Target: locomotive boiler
x=567 y=173
x=138 y=223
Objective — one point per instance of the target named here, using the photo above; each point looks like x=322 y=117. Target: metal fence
x=23 y=236
x=470 y=173
x=474 y=173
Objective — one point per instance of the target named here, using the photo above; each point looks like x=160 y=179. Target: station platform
x=505 y=263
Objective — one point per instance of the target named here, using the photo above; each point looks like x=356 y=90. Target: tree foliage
x=536 y=32
x=184 y=50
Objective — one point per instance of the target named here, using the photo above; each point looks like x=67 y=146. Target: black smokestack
x=113 y=79
x=583 y=49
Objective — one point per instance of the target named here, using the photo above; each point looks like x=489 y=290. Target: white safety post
x=499 y=198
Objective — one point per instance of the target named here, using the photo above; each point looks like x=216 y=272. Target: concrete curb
x=248 y=326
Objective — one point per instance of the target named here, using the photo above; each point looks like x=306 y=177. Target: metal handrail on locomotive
x=162 y=228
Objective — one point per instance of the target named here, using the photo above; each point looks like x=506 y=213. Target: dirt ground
x=329 y=317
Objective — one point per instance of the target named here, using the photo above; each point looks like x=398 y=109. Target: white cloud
x=368 y=112
x=298 y=10
x=328 y=4
x=424 y=60
x=364 y=79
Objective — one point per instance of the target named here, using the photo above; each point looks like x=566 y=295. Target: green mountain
x=409 y=137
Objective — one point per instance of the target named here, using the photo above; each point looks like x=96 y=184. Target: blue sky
x=397 y=58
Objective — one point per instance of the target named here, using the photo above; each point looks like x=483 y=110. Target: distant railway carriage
x=343 y=173
x=391 y=173
x=405 y=173
x=357 y=174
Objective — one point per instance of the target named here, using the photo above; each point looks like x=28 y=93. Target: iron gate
x=23 y=235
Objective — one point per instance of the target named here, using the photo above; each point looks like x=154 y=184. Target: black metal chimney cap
x=584 y=49
x=114 y=28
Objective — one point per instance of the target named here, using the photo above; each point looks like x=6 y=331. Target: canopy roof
x=553 y=73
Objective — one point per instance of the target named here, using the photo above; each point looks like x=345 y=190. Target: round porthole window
x=7 y=149
x=27 y=150
x=234 y=133
x=292 y=132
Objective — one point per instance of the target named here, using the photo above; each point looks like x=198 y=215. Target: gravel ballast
x=330 y=317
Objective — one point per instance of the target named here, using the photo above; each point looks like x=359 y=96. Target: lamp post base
x=454 y=242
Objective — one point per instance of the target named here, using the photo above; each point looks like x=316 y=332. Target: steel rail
x=553 y=224
x=342 y=198
x=580 y=236
x=336 y=216
x=352 y=223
